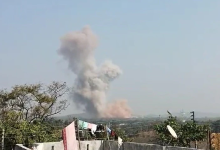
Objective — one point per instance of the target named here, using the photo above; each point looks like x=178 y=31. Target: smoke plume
x=92 y=81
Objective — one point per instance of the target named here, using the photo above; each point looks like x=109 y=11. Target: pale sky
x=168 y=50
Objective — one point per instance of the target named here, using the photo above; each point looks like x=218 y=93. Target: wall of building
x=145 y=146
x=105 y=145
x=91 y=145
x=99 y=145
x=140 y=146
x=21 y=147
x=49 y=146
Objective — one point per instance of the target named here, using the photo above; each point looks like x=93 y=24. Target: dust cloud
x=92 y=81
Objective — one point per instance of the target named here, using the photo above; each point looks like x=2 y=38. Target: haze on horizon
x=168 y=50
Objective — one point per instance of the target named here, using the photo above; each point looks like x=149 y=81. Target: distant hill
x=71 y=116
x=198 y=116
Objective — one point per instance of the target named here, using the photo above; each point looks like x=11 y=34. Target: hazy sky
x=169 y=51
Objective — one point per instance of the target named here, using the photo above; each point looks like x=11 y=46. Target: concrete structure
x=103 y=145
x=145 y=146
x=84 y=145
x=21 y=147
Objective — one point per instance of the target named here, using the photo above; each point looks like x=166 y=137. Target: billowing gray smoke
x=92 y=82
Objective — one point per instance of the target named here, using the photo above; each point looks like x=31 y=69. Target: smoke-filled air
x=92 y=81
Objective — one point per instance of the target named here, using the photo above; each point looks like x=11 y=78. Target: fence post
x=209 y=139
x=196 y=144
x=3 y=136
x=77 y=121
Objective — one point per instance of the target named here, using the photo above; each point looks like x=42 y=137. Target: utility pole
x=193 y=119
x=193 y=116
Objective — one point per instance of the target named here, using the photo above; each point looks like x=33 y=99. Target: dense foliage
x=216 y=126
x=186 y=132
x=121 y=133
x=25 y=113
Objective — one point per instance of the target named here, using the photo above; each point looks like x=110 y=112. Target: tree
x=35 y=101
x=121 y=133
x=186 y=132
x=215 y=126
x=25 y=112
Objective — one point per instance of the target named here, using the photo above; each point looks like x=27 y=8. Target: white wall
x=49 y=146
x=42 y=146
x=106 y=145
x=92 y=145
x=145 y=146
x=140 y=146
x=21 y=147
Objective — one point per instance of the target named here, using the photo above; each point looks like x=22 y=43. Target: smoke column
x=92 y=81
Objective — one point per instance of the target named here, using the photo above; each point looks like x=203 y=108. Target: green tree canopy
x=26 y=109
x=186 y=132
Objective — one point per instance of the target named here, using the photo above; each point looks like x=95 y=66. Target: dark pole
x=193 y=116
x=193 y=119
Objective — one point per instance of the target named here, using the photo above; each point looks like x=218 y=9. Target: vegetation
x=215 y=126
x=122 y=134
x=25 y=112
x=187 y=132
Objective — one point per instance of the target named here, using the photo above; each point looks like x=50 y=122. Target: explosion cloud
x=92 y=82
